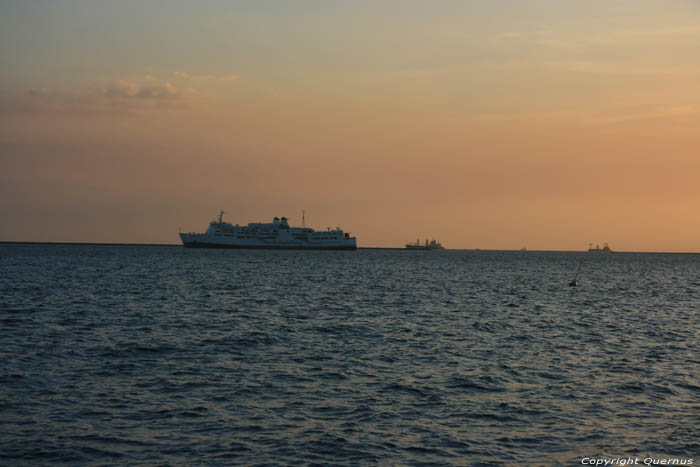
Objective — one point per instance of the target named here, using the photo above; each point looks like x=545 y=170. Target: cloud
x=206 y=78
x=43 y=92
x=598 y=118
x=32 y=100
x=616 y=68
x=116 y=97
x=545 y=115
x=667 y=113
x=228 y=78
x=123 y=89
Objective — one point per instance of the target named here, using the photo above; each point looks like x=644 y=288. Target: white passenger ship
x=275 y=235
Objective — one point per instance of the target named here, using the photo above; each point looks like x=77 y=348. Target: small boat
x=598 y=249
x=432 y=245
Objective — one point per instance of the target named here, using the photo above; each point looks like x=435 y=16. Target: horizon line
x=16 y=242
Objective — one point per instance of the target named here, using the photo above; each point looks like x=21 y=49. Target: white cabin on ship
x=277 y=234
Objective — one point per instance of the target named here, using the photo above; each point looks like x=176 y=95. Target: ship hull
x=205 y=241
x=423 y=247
x=196 y=244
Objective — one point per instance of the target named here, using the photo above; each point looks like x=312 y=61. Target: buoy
x=574 y=283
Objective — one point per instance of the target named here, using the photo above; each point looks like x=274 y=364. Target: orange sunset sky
x=499 y=124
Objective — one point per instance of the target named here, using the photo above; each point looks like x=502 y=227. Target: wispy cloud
x=659 y=114
x=123 y=89
x=616 y=68
x=205 y=78
x=641 y=36
x=115 y=97
x=600 y=117
x=553 y=115
x=691 y=30
x=512 y=35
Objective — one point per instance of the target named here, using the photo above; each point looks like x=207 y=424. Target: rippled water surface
x=162 y=355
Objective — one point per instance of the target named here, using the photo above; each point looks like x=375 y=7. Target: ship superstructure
x=277 y=234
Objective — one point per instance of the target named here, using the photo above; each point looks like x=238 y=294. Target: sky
x=499 y=124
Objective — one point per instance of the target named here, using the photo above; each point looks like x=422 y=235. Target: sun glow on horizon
x=496 y=126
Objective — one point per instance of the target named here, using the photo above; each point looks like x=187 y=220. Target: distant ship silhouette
x=598 y=249
x=432 y=245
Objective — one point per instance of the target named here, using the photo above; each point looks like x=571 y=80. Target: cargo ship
x=432 y=245
x=598 y=249
x=277 y=234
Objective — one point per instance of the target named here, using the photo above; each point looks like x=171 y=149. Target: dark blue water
x=161 y=355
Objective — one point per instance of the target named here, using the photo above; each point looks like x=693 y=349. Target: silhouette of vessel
x=432 y=245
x=277 y=234
x=598 y=249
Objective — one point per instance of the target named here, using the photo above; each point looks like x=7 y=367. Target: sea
x=161 y=355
